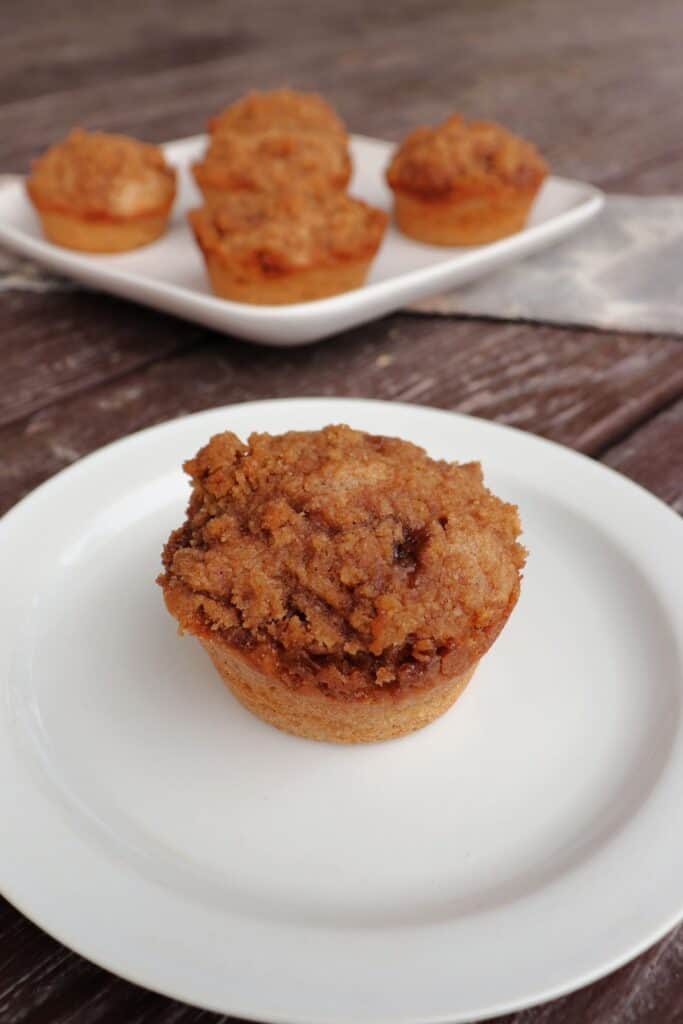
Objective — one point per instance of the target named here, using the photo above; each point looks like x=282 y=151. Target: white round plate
x=524 y=844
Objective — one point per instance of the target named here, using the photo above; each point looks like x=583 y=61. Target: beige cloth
x=623 y=271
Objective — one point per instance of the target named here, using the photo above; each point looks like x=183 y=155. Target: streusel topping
x=464 y=156
x=343 y=560
x=275 y=160
x=281 y=109
x=98 y=174
x=288 y=231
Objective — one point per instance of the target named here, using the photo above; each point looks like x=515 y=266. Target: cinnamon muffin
x=275 y=248
x=270 y=162
x=344 y=585
x=101 y=193
x=281 y=109
x=464 y=183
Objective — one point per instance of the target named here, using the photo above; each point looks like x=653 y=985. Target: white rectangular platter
x=169 y=274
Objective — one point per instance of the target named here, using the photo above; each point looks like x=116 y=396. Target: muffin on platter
x=102 y=193
x=464 y=183
x=284 y=247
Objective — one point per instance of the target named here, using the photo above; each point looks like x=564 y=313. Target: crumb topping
x=464 y=156
x=281 y=232
x=343 y=560
x=97 y=174
x=275 y=160
x=282 y=109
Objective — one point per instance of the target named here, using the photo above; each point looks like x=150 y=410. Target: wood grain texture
x=593 y=87
x=596 y=86
x=648 y=989
x=583 y=390
x=57 y=344
x=653 y=456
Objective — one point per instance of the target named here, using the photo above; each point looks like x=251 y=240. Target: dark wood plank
x=653 y=456
x=588 y=389
x=649 y=989
x=659 y=175
x=56 y=344
x=586 y=88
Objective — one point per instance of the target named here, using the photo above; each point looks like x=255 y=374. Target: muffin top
x=275 y=160
x=280 y=232
x=457 y=156
x=343 y=560
x=94 y=174
x=282 y=109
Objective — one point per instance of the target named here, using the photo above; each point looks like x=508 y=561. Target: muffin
x=276 y=248
x=101 y=193
x=282 y=109
x=464 y=183
x=271 y=162
x=344 y=585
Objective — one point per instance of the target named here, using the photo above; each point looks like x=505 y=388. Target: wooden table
x=598 y=88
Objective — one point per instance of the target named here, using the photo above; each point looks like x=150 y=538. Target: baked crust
x=274 y=248
x=318 y=716
x=101 y=192
x=464 y=183
x=474 y=220
x=281 y=109
x=101 y=235
x=273 y=161
x=306 y=285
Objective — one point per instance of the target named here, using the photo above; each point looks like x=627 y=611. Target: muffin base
x=285 y=288
x=101 y=235
x=314 y=715
x=471 y=221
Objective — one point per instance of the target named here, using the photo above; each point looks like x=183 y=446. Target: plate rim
x=82 y=466
x=507 y=428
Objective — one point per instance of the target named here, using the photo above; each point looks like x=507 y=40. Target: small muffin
x=282 y=247
x=271 y=162
x=464 y=183
x=344 y=585
x=282 y=109
x=101 y=193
